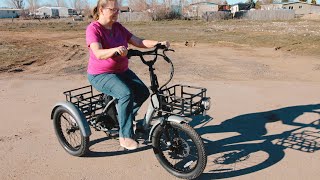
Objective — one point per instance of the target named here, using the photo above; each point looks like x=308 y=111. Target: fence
x=134 y=16
x=281 y=14
x=315 y=9
x=217 y=15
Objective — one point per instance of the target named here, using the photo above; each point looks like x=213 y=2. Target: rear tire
x=187 y=150
x=68 y=132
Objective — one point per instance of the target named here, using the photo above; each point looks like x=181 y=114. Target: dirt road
x=264 y=122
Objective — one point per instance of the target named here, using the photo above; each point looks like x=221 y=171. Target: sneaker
x=128 y=143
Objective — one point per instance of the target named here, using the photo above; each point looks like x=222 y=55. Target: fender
x=77 y=114
x=176 y=119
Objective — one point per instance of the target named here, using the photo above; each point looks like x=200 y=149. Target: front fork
x=166 y=135
x=169 y=141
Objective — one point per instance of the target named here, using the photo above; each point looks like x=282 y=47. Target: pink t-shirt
x=109 y=38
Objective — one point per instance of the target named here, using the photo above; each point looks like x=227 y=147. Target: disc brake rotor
x=181 y=147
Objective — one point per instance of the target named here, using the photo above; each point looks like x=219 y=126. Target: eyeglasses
x=113 y=10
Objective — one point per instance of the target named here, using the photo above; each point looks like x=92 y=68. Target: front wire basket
x=181 y=100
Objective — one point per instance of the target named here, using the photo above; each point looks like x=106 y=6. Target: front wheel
x=179 y=149
x=68 y=132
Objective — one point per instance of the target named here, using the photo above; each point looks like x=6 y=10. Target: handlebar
x=133 y=52
x=154 y=52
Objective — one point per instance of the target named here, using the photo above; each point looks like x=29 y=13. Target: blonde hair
x=100 y=4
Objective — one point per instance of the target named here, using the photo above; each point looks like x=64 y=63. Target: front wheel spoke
x=196 y=157
x=170 y=160
x=176 y=133
x=183 y=155
x=174 y=162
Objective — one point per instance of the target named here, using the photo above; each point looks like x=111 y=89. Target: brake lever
x=165 y=57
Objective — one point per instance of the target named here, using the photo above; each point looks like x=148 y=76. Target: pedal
x=146 y=142
x=114 y=134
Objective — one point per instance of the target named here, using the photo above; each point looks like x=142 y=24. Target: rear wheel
x=68 y=132
x=180 y=150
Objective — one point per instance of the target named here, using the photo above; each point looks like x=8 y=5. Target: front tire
x=179 y=149
x=68 y=132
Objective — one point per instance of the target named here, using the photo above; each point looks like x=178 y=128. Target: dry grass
x=26 y=42
x=300 y=36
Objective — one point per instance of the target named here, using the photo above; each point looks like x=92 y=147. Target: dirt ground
x=264 y=122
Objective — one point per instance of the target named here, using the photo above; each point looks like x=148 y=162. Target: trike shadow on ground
x=254 y=149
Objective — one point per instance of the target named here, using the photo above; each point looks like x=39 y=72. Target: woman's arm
x=143 y=43
x=103 y=54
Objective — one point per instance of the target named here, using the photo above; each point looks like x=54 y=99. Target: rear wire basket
x=87 y=102
x=181 y=100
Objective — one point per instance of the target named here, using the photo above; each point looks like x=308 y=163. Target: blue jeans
x=130 y=91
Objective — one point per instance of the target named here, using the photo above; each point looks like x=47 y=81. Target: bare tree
x=120 y=2
x=215 y=1
x=19 y=4
x=224 y=2
x=138 y=5
x=86 y=10
x=167 y=3
x=79 y=5
x=33 y=5
x=60 y=3
x=153 y=3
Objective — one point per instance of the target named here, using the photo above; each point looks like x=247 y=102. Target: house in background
x=10 y=13
x=224 y=7
x=196 y=10
x=300 y=8
x=125 y=9
x=72 y=12
x=241 y=7
x=63 y=12
x=47 y=12
x=55 y=12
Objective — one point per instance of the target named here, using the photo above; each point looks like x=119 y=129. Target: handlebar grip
x=160 y=46
x=116 y=54
x=132 y=52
